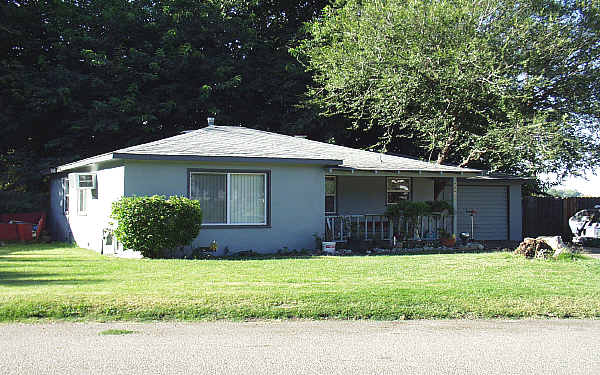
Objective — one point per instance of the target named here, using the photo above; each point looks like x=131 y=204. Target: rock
x=538 y=247
x=478 y=246
x=556 y=243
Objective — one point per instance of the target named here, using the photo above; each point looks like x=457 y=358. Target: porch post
x=455 y=206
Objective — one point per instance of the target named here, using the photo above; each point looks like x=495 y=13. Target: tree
x=511 y=86
x=80 y=78
x=563 y=193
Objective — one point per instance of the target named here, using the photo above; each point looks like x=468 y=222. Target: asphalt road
x=305 y=347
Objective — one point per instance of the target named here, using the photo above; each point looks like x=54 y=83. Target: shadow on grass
x=20 y=247
x=32 y=279
x=51 y=259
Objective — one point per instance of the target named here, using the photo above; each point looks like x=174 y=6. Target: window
x=230 y=198
x=82 y=204
x=65 y=188
x=86 y=181
x=330 y=194
x=398 y=189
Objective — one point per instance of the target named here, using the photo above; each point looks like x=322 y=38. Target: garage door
x=491 y=205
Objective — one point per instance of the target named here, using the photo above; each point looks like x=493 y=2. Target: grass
x=116 y=332
x=56 y=281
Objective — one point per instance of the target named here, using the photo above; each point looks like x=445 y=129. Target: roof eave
x=230 y=159
x=83 y=162
x=411 y=172
x=502 y=178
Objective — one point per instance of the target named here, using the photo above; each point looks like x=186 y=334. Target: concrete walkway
x=305 y=347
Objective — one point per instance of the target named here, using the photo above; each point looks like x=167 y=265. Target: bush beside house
x=156 y=225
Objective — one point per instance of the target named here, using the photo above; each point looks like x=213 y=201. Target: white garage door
x=491 y=205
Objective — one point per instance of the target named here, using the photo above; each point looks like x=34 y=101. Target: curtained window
x=231 y=198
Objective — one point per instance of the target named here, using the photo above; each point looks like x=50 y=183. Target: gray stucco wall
x=367 y=194
x=297 y=202
x=85 y=230
x=361 y=195
x=422 y=189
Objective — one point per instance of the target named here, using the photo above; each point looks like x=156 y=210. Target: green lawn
x=61 y=282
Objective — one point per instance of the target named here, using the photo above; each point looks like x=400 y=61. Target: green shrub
x=409 y=211
x=156 y=225
x=441 y=207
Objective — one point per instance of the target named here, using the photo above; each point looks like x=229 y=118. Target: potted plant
x=446 y=238
x=412 y=214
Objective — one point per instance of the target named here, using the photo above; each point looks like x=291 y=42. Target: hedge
x=156 y=225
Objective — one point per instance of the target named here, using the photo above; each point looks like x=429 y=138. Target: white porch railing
x=358 y=227
x=379 y=227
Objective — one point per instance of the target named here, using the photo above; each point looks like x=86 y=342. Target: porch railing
x=379 y=227
x=358 y=227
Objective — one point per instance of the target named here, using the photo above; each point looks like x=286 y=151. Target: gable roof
x=234 y=143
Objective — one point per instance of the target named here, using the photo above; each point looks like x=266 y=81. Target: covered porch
x=356 y=204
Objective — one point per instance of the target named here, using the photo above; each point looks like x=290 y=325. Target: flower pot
x=448 y=242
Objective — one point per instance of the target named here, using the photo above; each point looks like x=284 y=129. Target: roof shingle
x=240 y=142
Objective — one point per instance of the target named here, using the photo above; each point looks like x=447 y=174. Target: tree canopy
x=511 y=86
x=563 y=193
x=504 y=85
x=79 y=78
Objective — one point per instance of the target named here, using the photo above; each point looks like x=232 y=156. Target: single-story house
x=264 y=191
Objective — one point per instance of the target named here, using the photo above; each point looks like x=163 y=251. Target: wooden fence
x=545 y=216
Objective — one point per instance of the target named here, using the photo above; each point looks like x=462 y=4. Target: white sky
x=589 y=187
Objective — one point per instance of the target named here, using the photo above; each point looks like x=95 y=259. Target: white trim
x=78 y=182
x=395 y=173
x=66 y=198
x=228 y=196
x=86 y=193
x=84 y=162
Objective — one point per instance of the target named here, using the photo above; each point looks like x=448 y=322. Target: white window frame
x=94 y=182
x=86 y=194
x=334 y=212
x=388 y=190
x=228 y=196
x=66 y=196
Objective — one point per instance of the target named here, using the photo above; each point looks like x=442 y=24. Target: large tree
x=82 y=77
x=506 y=85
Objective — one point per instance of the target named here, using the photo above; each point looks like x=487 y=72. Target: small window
x=65 y=189
x=330 y=194
x=82 y=204
x=398 y=189
x=86 y=181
